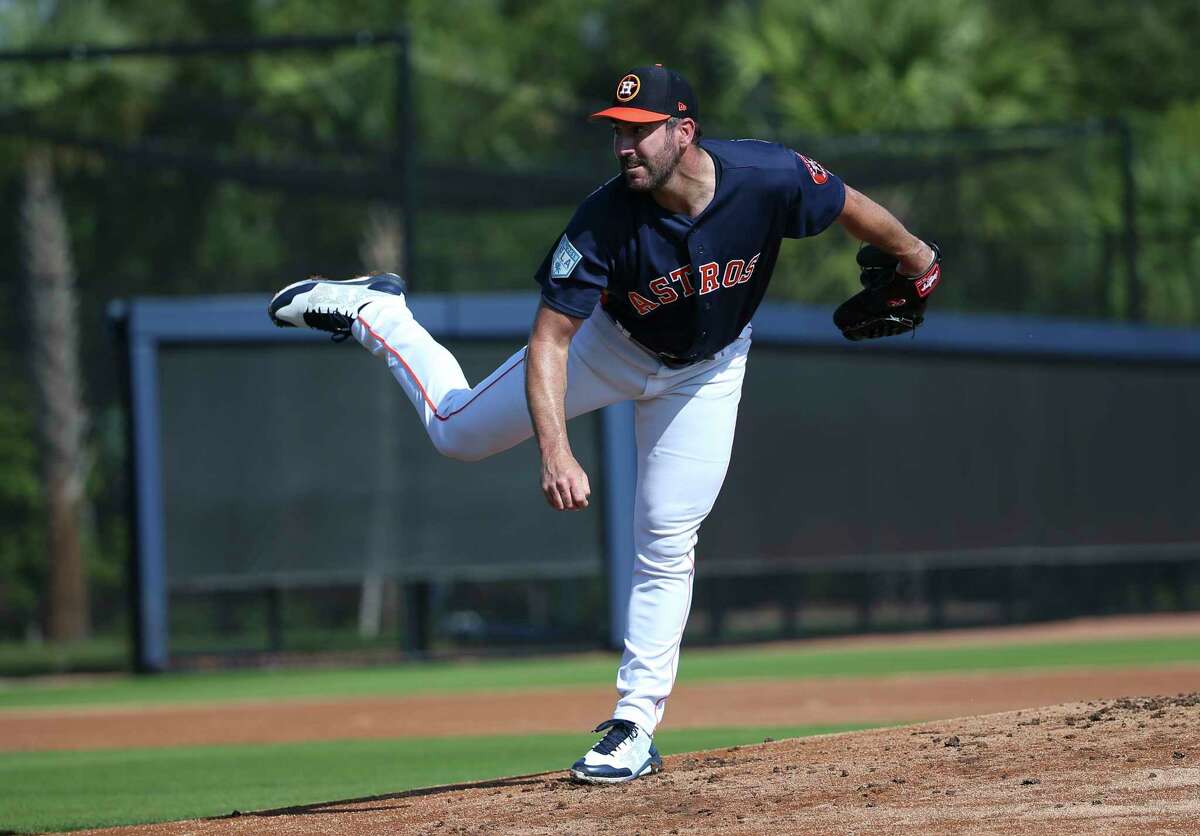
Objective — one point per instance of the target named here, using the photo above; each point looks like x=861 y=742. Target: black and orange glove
x=889 y=303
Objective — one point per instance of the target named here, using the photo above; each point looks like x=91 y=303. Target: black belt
x=671 y=361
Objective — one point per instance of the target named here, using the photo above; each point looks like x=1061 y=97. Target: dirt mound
x=1124 y=766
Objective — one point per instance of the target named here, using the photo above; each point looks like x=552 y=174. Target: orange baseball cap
x=650 y=94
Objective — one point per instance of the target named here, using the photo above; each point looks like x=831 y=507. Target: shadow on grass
x=323 y=807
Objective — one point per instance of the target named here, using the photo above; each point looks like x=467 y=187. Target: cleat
x=625 y=753
x=328 y=305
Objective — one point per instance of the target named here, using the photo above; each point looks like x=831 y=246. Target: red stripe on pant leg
x=481 y=391
x=397 y=355
x=417 y=380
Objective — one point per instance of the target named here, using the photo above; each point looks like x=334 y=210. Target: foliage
x=871 y=65
x=1169 y=180
x=1126 y=57
x=503 y=87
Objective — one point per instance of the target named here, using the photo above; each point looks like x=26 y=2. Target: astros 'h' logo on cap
x=628 y=87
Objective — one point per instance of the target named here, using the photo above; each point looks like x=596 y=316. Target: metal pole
x=418 y=608
x=152 y=647
x=118 y=319
x=1134 y=303
x=418 y=594
x=406 y=151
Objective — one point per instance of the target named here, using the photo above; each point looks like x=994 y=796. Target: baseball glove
x=890 y=303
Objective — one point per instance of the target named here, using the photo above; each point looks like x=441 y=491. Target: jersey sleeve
x=576 y=269
x=817 y=198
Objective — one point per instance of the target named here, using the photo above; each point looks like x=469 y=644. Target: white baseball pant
x=685 y=424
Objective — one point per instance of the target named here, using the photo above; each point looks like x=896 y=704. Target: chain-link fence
x=240 y=166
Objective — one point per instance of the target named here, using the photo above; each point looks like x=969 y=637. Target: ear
x=686 y=131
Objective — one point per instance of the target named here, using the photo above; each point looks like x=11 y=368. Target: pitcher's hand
x=564 y=483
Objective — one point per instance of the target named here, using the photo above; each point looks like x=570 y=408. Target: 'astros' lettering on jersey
x=683 y=286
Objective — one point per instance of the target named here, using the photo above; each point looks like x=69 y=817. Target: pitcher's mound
x=1126 y=766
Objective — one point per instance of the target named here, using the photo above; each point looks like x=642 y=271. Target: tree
x=61 y=414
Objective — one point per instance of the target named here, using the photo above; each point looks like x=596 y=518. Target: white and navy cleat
x=328 y=305
x=623 y=754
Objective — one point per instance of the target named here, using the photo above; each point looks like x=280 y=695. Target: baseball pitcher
x=647 y=296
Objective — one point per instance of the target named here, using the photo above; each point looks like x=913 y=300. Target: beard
x=654 y=172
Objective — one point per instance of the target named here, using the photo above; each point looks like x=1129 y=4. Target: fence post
x=149 y=571
x=406 y=151
x=1134 y=303
x=418 y=611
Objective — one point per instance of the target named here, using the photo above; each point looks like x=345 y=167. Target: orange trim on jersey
x=366 y=325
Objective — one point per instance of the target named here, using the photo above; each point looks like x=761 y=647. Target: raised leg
x=471 y=423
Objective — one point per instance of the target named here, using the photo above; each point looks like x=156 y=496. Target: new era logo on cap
x=650 y=94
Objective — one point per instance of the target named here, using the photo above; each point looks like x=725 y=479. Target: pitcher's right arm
x=564 y=482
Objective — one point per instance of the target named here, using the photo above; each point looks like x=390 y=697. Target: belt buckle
x=673 y=361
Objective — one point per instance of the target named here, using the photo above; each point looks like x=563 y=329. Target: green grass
x=87 y=656
x=42 y=791
x=63 y=790
x=699 y=665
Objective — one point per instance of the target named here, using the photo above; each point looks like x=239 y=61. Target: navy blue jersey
x=687 y=287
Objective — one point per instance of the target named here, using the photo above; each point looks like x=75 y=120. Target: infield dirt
x=1108 y=766
x=1125 y=766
